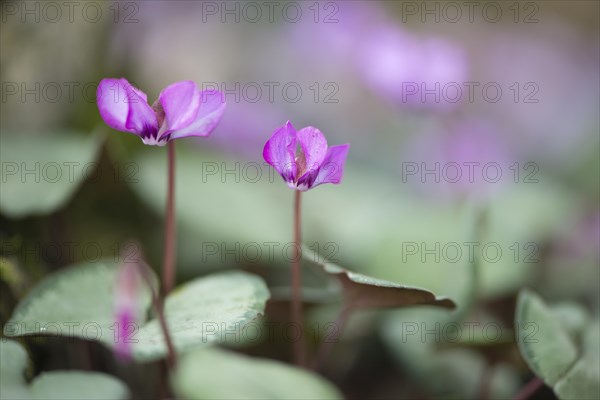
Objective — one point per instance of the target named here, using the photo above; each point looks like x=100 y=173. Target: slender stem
x=327 y=344
x=169 y=247
x=529 y=389
x=171 y=355
x=297 y=320
x=158 y=309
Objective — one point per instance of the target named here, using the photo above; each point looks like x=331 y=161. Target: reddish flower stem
x=169 y=247
x=159 y=310
x=296 y=311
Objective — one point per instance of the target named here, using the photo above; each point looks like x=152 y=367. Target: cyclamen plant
x=304 y=161
x=181 y=110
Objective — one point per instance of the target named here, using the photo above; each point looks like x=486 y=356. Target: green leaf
x=218 y=374
x=583 y=380
x=553 y=354
x=417 y=340
x=206 y=310
x=78 y=302
x=544 y=343
x=77 y=385
x=363 y=291
x=63 y=385
x=573 y=317
x=41 y=173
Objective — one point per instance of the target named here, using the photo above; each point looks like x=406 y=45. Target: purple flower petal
x=280 y=152
x=126 y=309
x=332 y=168
x=211 y=108
x=125 y=108
x=125 y=320
x=314 y=148
x=180 y=102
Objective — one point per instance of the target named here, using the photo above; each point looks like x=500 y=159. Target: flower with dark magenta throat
x=303 y=159
x=181 y=110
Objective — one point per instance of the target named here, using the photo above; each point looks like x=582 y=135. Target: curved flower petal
x=124 y=320
x=126 y=312
x=211 y=108
x=125 y=108
x=314 y=149
x=280 y=152
x=332 y=168
x=180 y=102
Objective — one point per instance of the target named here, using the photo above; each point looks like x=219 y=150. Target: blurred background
x=467 y=123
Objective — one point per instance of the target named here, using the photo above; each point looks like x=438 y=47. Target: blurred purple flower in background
x=420 y=72
x=308 y=165
x=337 y=34
x=403 y=67
x=126 y=309
x=464 y=159
x=246 y=140
x=180 y=111
x=550 y=108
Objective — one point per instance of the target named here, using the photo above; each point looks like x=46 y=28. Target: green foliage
x=202 y=311
x=563 y=351
x=77 y=385
x=363 y=291
x=58 y=164
x=78 y=301
x=426 y=343
x=13 y=361
x=64 y=385
x=218 y=374
x=582 y=381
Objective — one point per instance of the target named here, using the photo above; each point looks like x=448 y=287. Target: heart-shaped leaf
x=543 y=342
x=41 y=173
x=53 y=385
x=206 y=310
x=218 y=374
x=548 y=342
x=362 y=291
x=78 y=302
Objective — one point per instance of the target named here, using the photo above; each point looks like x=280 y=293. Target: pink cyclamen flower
x=126 y=309
x=181 y=110
x=302 y=157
